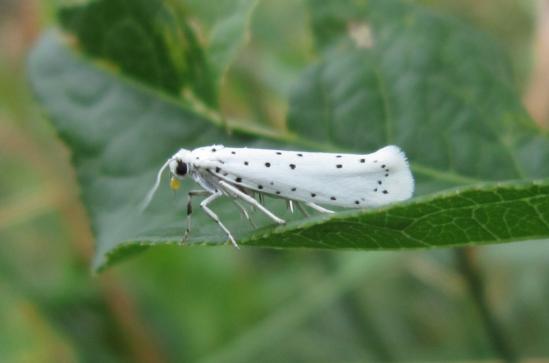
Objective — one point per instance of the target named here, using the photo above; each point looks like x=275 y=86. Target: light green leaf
x=229 y=35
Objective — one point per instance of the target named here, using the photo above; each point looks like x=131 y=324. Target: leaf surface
x=459 y=123
x=428 y=83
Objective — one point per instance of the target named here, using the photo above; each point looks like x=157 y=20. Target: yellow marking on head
x=175 y=183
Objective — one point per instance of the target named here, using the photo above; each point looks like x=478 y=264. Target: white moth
x=342 y=180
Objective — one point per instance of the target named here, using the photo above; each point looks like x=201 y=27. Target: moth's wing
x=351 y=180
x=346 y=180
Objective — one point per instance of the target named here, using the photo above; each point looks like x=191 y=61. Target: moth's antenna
x=151 y=192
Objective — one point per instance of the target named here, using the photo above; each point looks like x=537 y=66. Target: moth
x=311 y=178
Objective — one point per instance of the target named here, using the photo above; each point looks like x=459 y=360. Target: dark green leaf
x=475 y=215
x=147 y=39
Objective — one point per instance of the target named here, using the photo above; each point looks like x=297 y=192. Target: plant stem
x=366 y=327
x=472 y=275
x=368 y=332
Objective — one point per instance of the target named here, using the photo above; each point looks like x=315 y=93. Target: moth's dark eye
x=181 y=169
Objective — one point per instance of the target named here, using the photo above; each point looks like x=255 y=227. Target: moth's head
x=179 y=167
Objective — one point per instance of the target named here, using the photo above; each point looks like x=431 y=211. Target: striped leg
x=190 y=196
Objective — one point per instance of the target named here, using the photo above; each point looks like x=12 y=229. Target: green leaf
x=474 y=215
x=229 y=35
x=458 y=119
x=120 y=134
x=152 y=41
x=429 y=84
x=149 y=40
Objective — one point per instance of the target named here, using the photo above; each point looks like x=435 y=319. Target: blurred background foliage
x=220 y=305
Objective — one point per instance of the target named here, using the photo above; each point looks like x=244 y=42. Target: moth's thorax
x=199 y=160
x=202 y=158
x=206 y=153
x=182 y=154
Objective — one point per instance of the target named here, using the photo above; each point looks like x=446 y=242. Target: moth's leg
x=252 y=194
x=318 y=208
x=190 y=196
x=290 y=205
x=301 y=209
x=204 y=205
x=244 y=212
x=245 y=197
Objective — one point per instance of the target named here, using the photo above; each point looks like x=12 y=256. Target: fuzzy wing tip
x=397 y=158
